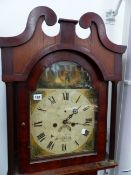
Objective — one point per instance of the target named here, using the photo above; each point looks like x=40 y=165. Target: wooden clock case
x=25 y=56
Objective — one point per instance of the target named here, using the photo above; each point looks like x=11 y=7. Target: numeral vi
x=63 y=147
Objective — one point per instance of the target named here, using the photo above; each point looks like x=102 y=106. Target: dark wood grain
x=108 y=74
x=90 y=17
x=10 y=125
x=23 y=106
x=25 y=57
x=85 y=169
x=35 y=45
x=113 y=121
x=48 y=15
x=67 y=25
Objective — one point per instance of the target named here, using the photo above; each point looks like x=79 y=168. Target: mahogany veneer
x=26 y=55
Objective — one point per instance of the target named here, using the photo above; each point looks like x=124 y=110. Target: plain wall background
x=13 y=17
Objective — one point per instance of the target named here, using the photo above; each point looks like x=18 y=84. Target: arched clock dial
x=62 y=121
x=63 y=112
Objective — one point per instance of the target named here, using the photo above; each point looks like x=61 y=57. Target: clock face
x=62 y=120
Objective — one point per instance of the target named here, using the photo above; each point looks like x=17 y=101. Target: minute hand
x=73 y=123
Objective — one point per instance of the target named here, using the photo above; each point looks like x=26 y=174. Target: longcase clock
x=57 y=96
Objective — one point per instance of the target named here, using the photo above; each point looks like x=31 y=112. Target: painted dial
x=62 y=121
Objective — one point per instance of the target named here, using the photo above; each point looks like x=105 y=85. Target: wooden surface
x=85 y=169
x=25 y=56
x=10 y=125
x=24 y=50
x=23 y=90
x=113 y=121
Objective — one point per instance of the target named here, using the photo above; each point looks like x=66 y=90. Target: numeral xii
x=66 y=96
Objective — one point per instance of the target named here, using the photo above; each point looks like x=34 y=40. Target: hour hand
x=66 y=120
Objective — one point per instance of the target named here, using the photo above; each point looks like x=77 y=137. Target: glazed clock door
x=65 y=117
x=63 y=113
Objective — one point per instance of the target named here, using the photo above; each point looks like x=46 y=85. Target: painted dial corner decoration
x=63 y=113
